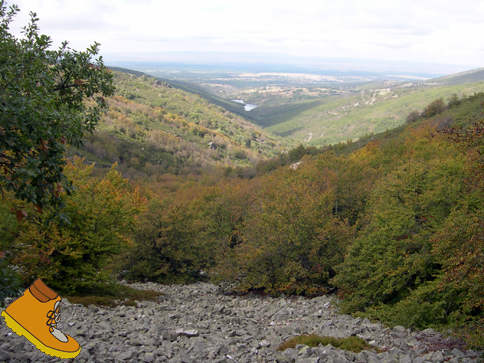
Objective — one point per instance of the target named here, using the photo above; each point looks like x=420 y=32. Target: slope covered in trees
x=153 y=128
x=394 y=227
x=393 y=223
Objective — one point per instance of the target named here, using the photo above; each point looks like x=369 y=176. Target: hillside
x=475 y=75
x=354 y=114
x=310 y=109
x=393 y=222
x=190 y=87
x=152 y=127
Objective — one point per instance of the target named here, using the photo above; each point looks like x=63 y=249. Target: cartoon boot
x=35 y=315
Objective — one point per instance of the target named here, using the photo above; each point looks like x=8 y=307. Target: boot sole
x=21 y=331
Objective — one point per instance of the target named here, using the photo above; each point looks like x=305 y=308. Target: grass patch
x=352 y=344
x=114 y=295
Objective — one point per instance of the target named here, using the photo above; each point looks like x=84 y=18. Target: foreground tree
x=73 y=258
x=290 y=241
x=43 y=108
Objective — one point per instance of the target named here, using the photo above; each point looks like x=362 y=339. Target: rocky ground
x=196 y=323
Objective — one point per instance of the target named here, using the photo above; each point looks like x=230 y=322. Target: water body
x=247 y=106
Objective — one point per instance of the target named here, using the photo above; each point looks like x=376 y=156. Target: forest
x=394 y=227
x=392 y=223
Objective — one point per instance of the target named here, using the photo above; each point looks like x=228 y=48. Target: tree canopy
x=48 y=99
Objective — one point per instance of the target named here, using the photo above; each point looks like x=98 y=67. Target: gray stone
x=93 y=308
x=438 y=357
x=125 y=355
x=149 y=357
x=187 y=333
x=457 y=353
x=181 y=357
x=197 y=323
x=308 y=360
x=281 y=358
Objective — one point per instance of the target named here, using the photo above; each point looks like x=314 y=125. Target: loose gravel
x=197 y=323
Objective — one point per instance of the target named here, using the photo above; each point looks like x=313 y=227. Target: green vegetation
x=193 y=88
x=337 y=119
x=475 y=75
x=393 y=221
x=152 y=128
x=378 y=221
x=114 y=295
x=314 y=113
x=352 y=344
x=42 y=95
x=73 y=257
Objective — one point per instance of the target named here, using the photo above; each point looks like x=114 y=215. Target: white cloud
x=431 y=30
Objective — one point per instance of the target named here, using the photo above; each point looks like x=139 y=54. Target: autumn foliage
x=395 y=227
x=72 y=257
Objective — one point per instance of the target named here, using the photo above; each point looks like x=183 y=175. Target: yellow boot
x=35 y=315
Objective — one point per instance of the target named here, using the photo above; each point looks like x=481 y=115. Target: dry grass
x=120 y=295
x=353 y=344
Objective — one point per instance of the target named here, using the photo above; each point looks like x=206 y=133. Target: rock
x=196 y=323
x=405 y=358
x=399 y=329
x=457 y=353
x=187 y=333
x=280 y=358
x=93 y=308
x=438 y=357
x=125 y=355
x=308 y=360
x=149 y=357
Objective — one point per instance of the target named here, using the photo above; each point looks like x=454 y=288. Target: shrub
x=290 y=241
x=412 y=117
x=352 y=344
x=170 y=243
x=393 y=255
x=435 y=108
x=72 y=257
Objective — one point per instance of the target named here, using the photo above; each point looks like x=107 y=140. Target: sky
x=430 y=31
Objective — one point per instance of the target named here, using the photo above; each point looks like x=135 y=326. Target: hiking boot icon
x=35 y=315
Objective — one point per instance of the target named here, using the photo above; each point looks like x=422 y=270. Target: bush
x=10 y=281
x=352 y=344
x=453 y=101
x=393 y=255
x=43 y=94
x=412 y=117
x=435 y=108
x=169 y=245
x=290 y=241
x=72 y=257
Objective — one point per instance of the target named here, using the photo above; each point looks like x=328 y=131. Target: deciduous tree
x=43 y=95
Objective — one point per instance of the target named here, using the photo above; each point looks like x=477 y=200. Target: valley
x=222 y=191
x=334 y=109
x=152 y=127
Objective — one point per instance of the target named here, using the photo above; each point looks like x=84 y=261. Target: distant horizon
x=430 y=31
x=277 y=63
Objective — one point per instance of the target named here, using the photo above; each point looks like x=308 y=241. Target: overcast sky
x=434 y=31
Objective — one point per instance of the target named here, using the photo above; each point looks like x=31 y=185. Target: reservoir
x=247 y=106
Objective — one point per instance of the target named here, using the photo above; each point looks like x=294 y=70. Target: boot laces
x=53 y=317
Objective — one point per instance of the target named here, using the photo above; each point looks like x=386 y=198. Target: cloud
x=356 y=28
x=394 y=45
